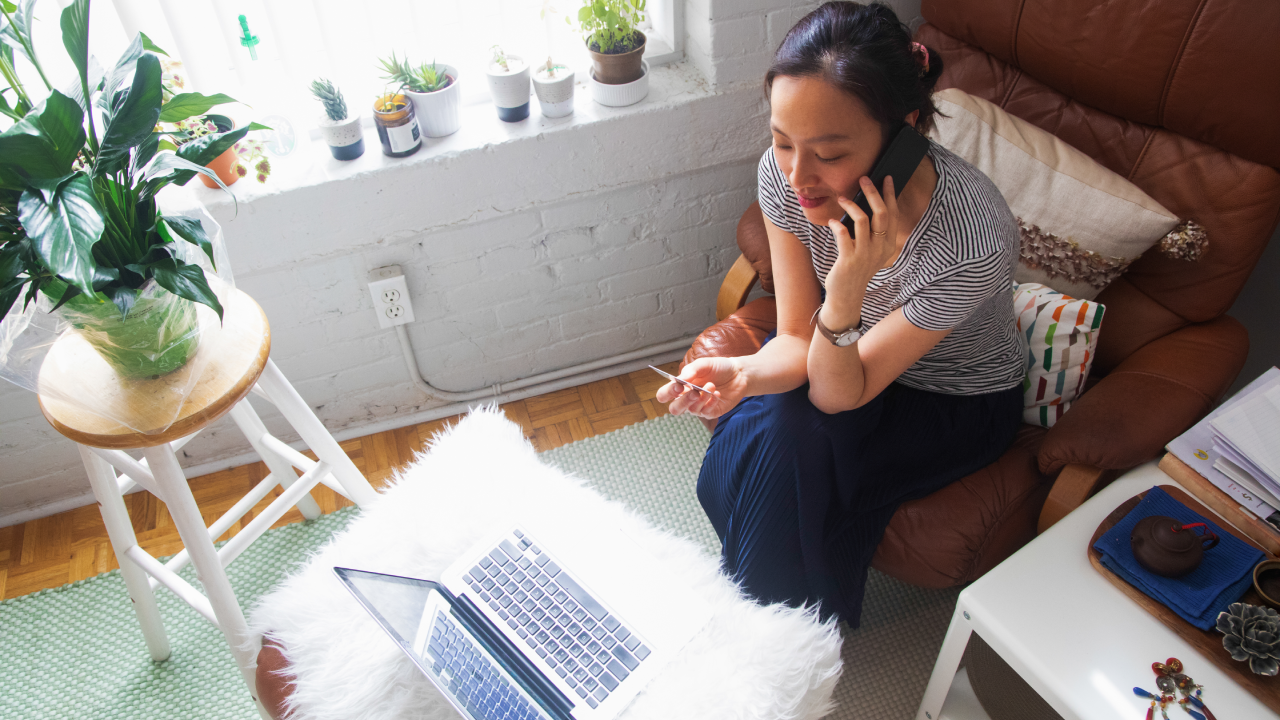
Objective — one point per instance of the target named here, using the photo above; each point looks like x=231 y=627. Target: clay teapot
x=1168 y=548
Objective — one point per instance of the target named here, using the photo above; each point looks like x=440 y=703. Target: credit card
x=671 y=377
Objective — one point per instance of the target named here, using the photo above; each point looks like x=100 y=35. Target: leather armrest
x=1150 y=398
x=742 y=333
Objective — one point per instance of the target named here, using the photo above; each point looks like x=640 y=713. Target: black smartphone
x=899 y=160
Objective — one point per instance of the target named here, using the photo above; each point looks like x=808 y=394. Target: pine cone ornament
x=1253 y=634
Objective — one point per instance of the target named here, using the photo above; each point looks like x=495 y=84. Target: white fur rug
x=771 y=663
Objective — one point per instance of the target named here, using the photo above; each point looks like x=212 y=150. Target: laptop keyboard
x=590 y=649
x=472 y=678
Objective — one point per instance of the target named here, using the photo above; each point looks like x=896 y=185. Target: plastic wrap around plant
x=83 y=355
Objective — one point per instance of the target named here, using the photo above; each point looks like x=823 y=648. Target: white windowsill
x=310 y=164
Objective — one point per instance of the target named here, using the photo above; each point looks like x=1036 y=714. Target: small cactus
x=329 y=95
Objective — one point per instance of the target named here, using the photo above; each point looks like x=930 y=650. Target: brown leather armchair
x=1177 y=97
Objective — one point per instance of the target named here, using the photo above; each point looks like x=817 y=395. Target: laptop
x=554 y=618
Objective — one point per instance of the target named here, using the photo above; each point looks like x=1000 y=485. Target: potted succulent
x=435 y=91
x=553 y=85
x=79 y=174
x=341 y=132
x=508 y=77
x=616 y=46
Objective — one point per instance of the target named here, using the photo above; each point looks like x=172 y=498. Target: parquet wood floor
x=73 y=545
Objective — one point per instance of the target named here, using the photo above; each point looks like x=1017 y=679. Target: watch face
x=848 y=338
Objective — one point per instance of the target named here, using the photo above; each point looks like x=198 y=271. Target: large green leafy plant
x=609 y=26
x=80 y=171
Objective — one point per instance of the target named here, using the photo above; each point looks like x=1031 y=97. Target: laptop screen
x=398 y=603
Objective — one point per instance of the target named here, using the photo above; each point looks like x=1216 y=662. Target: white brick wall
x=526 y=249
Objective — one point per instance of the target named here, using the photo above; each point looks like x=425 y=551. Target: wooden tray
x=1207 y=642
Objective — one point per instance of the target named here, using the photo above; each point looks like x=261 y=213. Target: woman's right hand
x=722 y=377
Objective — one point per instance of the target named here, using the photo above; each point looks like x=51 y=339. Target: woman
x=819 y=440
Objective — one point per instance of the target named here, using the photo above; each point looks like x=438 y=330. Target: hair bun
x=921 y=54
x=932 y=69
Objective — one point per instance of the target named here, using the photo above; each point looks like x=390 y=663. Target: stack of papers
x=1247 y=439
x=1237 y=447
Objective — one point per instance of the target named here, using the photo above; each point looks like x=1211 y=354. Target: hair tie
x=924 y=54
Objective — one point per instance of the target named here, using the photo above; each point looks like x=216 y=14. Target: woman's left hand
x=859 y=258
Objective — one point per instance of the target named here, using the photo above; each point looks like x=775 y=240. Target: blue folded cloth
x=1198 y=597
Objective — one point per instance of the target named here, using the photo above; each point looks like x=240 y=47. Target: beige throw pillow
x=1081 y=224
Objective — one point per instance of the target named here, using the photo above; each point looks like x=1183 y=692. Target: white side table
x=1069 y=633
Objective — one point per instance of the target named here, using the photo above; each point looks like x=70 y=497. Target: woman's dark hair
x=867 y=52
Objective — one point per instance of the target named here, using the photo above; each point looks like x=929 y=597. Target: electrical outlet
x=390 y=296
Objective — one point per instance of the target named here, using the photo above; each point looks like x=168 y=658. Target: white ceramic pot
x=554 y=91
x=439 y=112
x=344 y=138
x=621 y=95
x=510 y=88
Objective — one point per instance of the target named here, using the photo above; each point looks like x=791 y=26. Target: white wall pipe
x=497 y=389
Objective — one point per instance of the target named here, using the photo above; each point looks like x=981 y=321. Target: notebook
x=549 y=619
x=1248 y=435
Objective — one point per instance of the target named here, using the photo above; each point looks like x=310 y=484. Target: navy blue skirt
x=800 y=499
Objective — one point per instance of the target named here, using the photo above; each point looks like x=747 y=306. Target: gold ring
x=882 y=232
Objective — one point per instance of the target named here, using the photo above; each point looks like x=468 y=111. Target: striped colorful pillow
x=1061 y=333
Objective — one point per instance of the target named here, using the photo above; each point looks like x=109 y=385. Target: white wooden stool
x=237 y=363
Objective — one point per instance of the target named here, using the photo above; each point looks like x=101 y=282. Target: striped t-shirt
x=955 y=272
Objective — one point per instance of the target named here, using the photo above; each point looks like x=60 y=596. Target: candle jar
x=397 y=125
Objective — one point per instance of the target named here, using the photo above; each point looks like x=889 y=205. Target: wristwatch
x=844 y=338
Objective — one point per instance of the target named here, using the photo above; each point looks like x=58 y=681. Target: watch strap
x=827 y=333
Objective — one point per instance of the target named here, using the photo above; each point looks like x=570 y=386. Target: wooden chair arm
x=1075 y=484
x=737 y=285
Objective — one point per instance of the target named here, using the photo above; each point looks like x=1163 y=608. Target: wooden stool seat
x=230 y=359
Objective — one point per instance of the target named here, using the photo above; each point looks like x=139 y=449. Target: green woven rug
x=76 y=651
